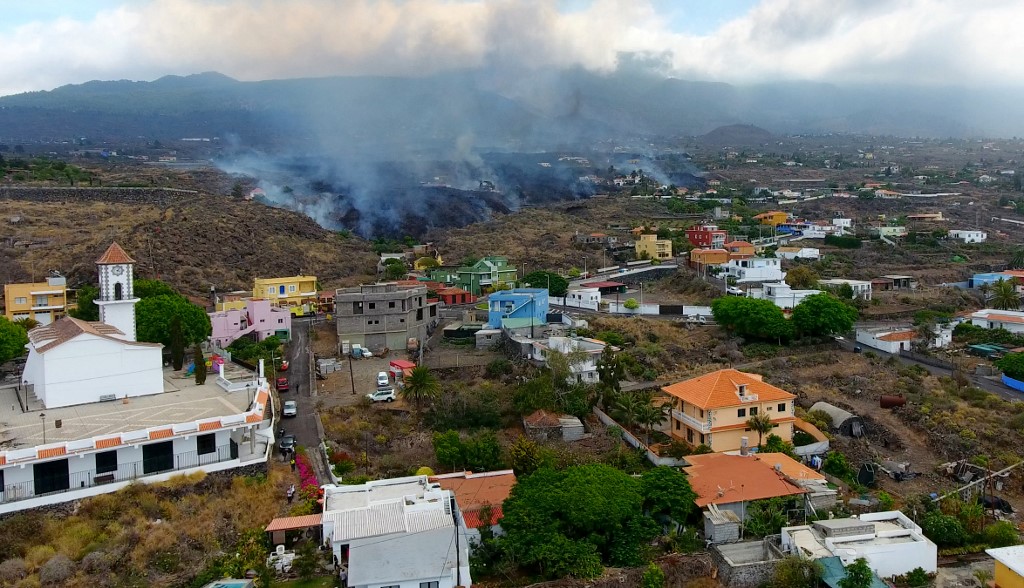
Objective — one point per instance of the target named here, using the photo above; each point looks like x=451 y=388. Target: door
x=158 y=457
x=51 y=476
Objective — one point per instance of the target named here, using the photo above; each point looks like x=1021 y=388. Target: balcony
x=748 y=397
x=692 y=422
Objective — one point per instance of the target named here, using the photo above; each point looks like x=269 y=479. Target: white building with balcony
x=755 y=269
x=891 y=543
x=861 y=288
x=584 y=369
x=781 y=294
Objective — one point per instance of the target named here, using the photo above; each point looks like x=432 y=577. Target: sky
x=49 y=43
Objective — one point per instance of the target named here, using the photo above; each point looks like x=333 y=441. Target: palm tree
x=1017 y=260
x=984 y=288
x=421 y=385
x=27 y=323
x=982 y=576
x=651 y=415
x=762 y=423
x=626 y=409
x=1004 y=295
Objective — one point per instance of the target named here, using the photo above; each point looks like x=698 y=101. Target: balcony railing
x=124 y=472
x=692 y=422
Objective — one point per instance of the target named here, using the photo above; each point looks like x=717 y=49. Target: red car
x=283 y=367
x=282 y=384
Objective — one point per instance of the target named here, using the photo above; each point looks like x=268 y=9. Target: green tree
x=802 y=277
x=238 y=191
x=653 y=577
x=1012 y=365
x=1017 y=259
x=795 y=572
x=945 y=530
x=982 y=575
x=651 y=415
x=421 y=385
x=569 y=521
x=775 y=444
x=86 y=299
x=626 y=409
x=760 y=424
x=918 y=578
x=751 y=318
x=26 y=323
x=1004 y=295
x=765 y=517
x=858 y=575
x=177 y=346
x=822 y=314
x=1001 y=534
x=13 y=340
x=153 y=319
x=200 y=363
x=306 y=560
x=524 y=456
x=667 y=492
x=483 y=453
x=610 y=370
x=150 y=288
x=449 y=449
x=557 y=285
x=394 y=269
x=631 y=304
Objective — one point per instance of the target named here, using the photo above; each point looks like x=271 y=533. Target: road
x=300 y=375
x=985 y=384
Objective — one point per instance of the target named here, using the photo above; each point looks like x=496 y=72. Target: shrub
x=57 y=571
x=499 y=367
x=945 y=530
x=12 y=570
x=917 y=577
x=885 y=501
x=343 y=468
x=1001 y=534
x=96 y=562
x=38 y=555
x=653 y=577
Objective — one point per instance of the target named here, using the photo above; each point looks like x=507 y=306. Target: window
x=373 y=305
x=118 y=291
x=20 y=300
x=391 y=304
x=291 y=288
x=42 y=300
x=270 y=290
x=357 y=308
x=782 y=407
x=106 y=462
x=702 y=438
x=428 y=584
x=753 y=410
x=280 y=321
x=689 y=435
x=702 y=413
x=677 y=425
x=742 y=412
x=206 y=444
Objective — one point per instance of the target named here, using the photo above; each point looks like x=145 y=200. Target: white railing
x=702 y=426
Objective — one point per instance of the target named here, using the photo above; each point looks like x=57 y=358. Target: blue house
x=518 y=303
x=987 y=278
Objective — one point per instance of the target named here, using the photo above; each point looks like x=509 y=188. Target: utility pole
x=351 y=376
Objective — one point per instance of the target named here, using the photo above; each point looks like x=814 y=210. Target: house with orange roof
x=713 y=409
x=479 y=496
x=700 y=258
x=991 y=318
x=739 y=249
x=772 y=217
x=96 y=410
x=889 y=340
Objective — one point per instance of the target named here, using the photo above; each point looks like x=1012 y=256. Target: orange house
x=702 y=257
x=713 y=409
x=739 y=249
x=772 y=218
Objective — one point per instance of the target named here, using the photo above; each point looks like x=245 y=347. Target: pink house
x=258 y=317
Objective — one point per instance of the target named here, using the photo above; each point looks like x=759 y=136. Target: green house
x=484 y=274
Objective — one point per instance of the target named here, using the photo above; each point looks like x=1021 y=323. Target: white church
x=72 y=362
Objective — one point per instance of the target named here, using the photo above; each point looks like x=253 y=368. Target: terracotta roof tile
x=108 y=442
x=898 y=336
x=473 y=520
x=720 y=389
x=3 y=460
x=47 y=337
x=721 y=478
x=114 y=255
x=293 y=523
x=1005 y=318
x=161 y=434
x=542 y=418
x=253 y=418
x=209 y=425
x=472 y=491
x=52 y=452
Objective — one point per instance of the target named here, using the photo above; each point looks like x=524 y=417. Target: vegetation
x=795 y=572
x=479 y=454
x=1012 y=365
x=556 y=285
x=751 y=318
x=822 y=314
x=13 y=340
x=421 y=385
x=858 y=575
x=844 y=242
x=250 y=351
x=969 y=334
x=87 y=309
x=1004 y=295
x=765 y=517
x=200 y=364
x=760 y=424
x=802 y=277
x=154 y=316
x=653 y=577
x=631 y=304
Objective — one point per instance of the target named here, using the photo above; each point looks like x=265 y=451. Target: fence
x=443 y=361
x=1014 y=384
x=56 y=484
x=632 y=440
x=927 y=360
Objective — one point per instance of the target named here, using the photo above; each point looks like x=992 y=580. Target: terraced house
x=713 y=409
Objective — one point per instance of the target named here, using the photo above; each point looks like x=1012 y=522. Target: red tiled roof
x=52 y=452
x=719 y=389
x=161 y=434
x=292 y=523
x=3 y=460
x=721 y=478
x=1005 y=318
x=473 y=521
x=473 y=491
x=253 y=418
x=739 y=244
x=209 y=425
x=108 y=442
x=898 y=336
x=114 y=255
x=542 y=418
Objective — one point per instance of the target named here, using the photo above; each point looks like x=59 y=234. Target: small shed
x=545 y=425
x=721 y=526
x=845 y=422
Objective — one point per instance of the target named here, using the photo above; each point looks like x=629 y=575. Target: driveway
x=303 y=426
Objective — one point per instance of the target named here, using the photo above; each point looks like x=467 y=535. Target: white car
x=290 y=409
x=382 y=379
x=733 y=290
x=382 y=395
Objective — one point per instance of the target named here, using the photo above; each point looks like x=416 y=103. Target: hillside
x=193 y=241
x=737 y=135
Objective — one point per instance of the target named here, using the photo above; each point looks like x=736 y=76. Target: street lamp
x=42 y=417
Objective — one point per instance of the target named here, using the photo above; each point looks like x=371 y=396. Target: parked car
x=382 y=395
x=382 y=380
x=283 y=367
x=734 y=291
x=857 y=349
x=282 y=384
x=290 y=409
x=287 y=443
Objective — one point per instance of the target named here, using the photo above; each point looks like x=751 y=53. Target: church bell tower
x=116 y=299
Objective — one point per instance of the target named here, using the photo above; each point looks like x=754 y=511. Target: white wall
x=868 y=338
x=87 y=367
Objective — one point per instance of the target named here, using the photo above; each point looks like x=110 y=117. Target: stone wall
x=154 y=195
x=745 y=565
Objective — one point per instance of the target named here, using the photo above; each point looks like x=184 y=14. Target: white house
x=589 y=298
x=887 y=340
x=71 y=361
x=861 y=288
x=843 y=225
x=891 y=543
x=968 y=236
x=404 y=532
x=755 y=269
x=990 y=318
x=781 y=294
x=584 y=371
x=798 y=253
x=96 y=411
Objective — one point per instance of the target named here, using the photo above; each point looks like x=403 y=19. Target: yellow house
x=427 y=262
x=1009 y=566
x=713 y=409
x=654 y=247
x=44 y=302
x=772 y=218
x=291 y=291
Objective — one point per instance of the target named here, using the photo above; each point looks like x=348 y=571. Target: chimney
x=744 y=446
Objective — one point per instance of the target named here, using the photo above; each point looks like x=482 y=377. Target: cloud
x=856 y=41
